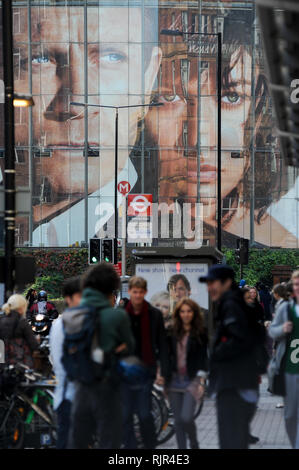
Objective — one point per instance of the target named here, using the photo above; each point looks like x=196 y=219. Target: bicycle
x=26 y=413
x=163 y=417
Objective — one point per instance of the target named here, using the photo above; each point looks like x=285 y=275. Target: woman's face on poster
x=58 y=63
x=163 y=304
x=179 y=172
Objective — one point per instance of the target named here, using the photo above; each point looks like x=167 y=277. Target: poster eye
x=40 y=59
x=113 y=57
x=231 y=98
x=171 y=98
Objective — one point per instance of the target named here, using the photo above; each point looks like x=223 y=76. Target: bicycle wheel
x=167 y=430
x=157 y=414
x=12 y=433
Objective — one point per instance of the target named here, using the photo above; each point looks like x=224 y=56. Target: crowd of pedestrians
x=106 y=358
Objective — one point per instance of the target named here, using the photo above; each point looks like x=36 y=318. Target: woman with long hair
x=253 y=177
x=188 y=359
x=20 y=342
x=252 y=299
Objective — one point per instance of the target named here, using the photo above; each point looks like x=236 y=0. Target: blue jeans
x=63 y=423
x=139 y=402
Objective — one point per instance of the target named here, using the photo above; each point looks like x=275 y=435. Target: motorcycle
x=41 y=324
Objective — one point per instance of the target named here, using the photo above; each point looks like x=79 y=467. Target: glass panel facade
x=116 y=53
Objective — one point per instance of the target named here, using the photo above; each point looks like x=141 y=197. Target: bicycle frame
x=34 y=407
x=12 y=403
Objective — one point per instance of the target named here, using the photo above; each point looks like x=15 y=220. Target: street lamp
x=75 y=103
x=22 y=101
x=176 y=32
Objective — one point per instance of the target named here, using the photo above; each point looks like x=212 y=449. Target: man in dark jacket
x=152 y=349
x=266 y=300
x=233 y=366
x=96 y=407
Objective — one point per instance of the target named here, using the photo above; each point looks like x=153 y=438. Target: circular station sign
x=124 y=187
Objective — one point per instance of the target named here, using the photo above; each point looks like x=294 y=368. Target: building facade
x=120 y=53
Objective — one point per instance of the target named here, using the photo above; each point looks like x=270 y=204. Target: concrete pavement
x=268 y=424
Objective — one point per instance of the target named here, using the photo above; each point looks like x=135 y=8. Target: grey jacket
x=276 y=332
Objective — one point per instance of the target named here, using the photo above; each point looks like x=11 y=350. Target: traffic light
x=109 y=250
x=242 y=251
x=94 y=250
x=237 y=256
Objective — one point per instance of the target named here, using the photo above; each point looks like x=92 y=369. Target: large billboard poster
x=169 y=282
x=118 y=54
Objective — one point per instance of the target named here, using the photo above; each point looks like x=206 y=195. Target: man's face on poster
x=179 y=290
x=115 y=77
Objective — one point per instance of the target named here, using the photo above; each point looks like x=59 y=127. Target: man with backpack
x=95 y=336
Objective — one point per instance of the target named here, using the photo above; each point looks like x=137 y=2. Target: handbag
x=276 y=380
x=17 y=349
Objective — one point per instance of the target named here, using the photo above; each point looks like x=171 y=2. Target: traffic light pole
x=9 y=171
x=124 y=236
x=241 y=271
x=115 y=176
x=219 y=169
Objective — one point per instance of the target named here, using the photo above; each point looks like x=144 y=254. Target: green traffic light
x=94 y=259
x=107 y=259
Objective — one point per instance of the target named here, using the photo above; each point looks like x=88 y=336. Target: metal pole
x=143 y=94
x=199 y=107
x=85 y=125
x=124 y=236
x=30 y=126
x=219 y=199
x=115 y=176
x=252 y=140
x=9 y=171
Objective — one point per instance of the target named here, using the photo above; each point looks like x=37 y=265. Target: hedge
x=261 y=263
x=53 y=266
